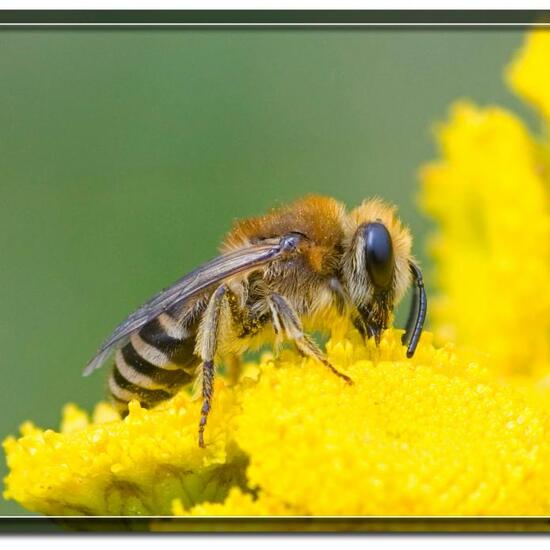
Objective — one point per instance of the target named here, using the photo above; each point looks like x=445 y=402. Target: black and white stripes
x=154 y=364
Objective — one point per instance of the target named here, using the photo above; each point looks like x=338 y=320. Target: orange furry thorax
x=321 y=219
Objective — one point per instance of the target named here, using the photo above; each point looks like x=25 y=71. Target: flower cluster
x=432 y=435
x=463 y=428
x=489 y=196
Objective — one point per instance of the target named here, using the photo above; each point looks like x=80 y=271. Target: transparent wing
x=212 y=272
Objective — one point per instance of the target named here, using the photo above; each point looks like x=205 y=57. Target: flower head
x=492 y=246
x=433 y=435
x=489 y=196
x=528 y=74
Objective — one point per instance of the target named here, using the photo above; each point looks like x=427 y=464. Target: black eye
x=378 y=254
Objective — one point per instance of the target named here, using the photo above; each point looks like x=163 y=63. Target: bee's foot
x=345 y=377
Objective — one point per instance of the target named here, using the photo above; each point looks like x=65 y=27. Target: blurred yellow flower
x=528 y=74
x=431 y=435
x=489 y=196
x=461 y=429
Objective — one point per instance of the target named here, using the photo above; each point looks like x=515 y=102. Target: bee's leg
x=369 y=324
x=286 y=318
x=207 y=343
x=361 y=326
x=223 y=302
x=246 y=323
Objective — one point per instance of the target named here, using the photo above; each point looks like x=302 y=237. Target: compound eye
x=379 y=254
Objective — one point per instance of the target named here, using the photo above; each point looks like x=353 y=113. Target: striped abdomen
x=154 y=364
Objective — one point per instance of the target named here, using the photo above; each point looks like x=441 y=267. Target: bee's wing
x=212 y=272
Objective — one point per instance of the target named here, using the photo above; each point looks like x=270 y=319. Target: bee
x=277 y=276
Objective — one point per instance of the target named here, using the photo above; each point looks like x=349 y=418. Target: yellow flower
x=432 y=435
x=134 y=466
x=529 y=76
x=489 y=196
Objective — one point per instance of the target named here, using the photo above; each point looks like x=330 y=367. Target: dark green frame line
x=271 y=17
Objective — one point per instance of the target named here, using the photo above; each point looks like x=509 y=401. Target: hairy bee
x=277 y=273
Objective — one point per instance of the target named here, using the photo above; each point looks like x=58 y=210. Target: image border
x=262 y=19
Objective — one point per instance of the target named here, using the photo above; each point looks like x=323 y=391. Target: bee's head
x=375 y=269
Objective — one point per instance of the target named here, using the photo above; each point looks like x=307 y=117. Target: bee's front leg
x=372 y=321
x=286 y=319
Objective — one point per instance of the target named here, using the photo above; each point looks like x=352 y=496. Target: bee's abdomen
x=154 y=364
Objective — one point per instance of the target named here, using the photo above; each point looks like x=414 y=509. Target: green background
x=126 y=154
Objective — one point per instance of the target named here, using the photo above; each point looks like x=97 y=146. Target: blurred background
x=127 y=154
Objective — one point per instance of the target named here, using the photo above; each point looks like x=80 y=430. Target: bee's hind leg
x=207 y=344
x=285 y=318
x=223 y=302
x=207 y=392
